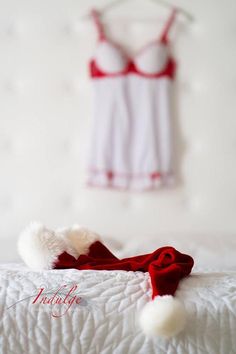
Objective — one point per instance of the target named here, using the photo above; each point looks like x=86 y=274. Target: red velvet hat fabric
x=166 y=265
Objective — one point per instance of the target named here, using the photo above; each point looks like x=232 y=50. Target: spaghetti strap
x=100 y=29
x=169 y=23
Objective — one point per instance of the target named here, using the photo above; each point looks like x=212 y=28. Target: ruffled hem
x=126 y=181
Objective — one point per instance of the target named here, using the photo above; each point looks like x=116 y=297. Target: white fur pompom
x=79 y=238
x=39 y=247
x=165 y=316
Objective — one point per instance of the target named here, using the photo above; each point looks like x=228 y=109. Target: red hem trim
x=122 y=189
x=111 y=174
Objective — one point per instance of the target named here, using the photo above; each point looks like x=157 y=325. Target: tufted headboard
x=45 y=110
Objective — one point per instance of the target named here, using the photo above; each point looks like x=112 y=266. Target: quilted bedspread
x=88 y=312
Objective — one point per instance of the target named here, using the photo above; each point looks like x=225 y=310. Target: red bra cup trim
x=97 y=73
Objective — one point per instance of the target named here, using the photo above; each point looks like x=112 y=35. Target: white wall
x=45 y=107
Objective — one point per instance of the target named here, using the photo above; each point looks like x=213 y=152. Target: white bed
x=105 y=321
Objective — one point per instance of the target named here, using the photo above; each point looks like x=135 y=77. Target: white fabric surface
x=131 y=132
x=106 y=322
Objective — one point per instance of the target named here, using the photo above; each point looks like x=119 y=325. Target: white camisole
x=131 y=142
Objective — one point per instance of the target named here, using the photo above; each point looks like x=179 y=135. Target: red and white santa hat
x=165 y=315
x=40 y=247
